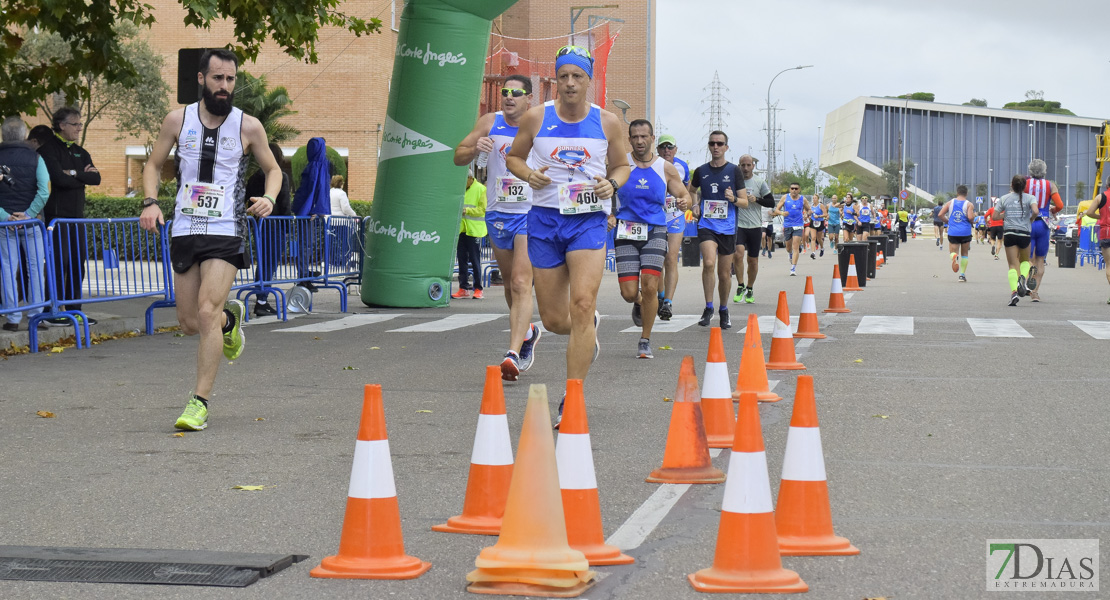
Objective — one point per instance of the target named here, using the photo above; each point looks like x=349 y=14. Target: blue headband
x=581 y=62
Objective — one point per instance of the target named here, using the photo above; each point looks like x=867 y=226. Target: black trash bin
x=859 y=250
x=892 y=243
x=1065 y=253
x=872 y=256
x=691 y=253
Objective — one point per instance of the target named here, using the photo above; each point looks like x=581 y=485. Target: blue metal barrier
x=104 y=260
x=343 y=253
x=25 y=268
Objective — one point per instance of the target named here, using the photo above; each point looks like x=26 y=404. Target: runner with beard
x=213 y=142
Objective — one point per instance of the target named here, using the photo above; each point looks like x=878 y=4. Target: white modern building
x=951 y=144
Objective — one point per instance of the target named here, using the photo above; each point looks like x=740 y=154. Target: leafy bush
x=361 y=207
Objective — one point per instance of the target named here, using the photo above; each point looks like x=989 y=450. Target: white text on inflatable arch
x=427 y=55
x=401 y=234
x=398 y=140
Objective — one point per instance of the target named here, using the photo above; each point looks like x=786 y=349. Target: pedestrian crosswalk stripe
x=997 y=328
x=449 y=323
x=1100 y=330
x=676 y=324
x=344 y=323
x=886 y=325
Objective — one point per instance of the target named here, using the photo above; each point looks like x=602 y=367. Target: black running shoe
x=1031 y=283
x=726 y=321
x=637 y=315
x=665 y=310
x=706 y=317
x=1014 y=299
x=1023 y=289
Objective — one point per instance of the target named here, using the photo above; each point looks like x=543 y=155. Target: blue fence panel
x=25 y=270
x=343 y=252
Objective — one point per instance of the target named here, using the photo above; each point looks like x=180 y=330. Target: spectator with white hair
x=1048 y=204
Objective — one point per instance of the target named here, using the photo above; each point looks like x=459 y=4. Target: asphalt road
x=934 y=442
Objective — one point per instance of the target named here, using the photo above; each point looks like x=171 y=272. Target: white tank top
x=211 y=174
x=575 y=153
x=504 y=192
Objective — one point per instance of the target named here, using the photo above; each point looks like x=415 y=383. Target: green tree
x=981 y=190
x=90 y=29
x=923 y=96
x=893 y=179
x=804 y=174
x=976 y=102
x=1081 y=190
x=136 y=110
x=1035 y=102
x=267 y=105
x=843 y=184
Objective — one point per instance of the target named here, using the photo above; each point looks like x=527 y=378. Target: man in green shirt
x=471 y=231
x=903 y=222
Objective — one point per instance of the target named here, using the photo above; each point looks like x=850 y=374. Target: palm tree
x=266 y=105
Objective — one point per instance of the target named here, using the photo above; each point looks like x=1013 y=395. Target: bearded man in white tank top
x=210 y=227
x=561 y=150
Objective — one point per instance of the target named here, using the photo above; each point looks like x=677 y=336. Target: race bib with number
x=578 y=198
x=204 y=200
x=715 y=209
x=511 y=190
x=631 y=230
x=670 y=205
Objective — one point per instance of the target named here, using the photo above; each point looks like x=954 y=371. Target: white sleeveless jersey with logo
x=211 y=159
x=504 y=192
x=575 y=153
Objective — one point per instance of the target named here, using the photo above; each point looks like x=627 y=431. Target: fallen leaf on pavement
x=249 y=488
x=666 y=399
x=45 y=414
x=859 y=360
x=350 y=368
x=57 y=350
x=423 y=411
x=665 y=348
x=375 y=348
x=881 y=416
x=260 y=419
x=179 y=434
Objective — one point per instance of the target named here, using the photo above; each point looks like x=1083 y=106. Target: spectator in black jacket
x=71 y=169
x=271 y=234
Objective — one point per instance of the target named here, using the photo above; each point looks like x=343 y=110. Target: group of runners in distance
x=560 y=179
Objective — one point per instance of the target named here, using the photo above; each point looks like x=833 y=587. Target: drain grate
x=137 y=565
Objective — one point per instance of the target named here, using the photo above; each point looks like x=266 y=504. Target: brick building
x=343 y=97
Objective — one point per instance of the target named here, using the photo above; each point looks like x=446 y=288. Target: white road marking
x=344 y=323
x=886 y=325
x=1100 y=330
x=449 y=323
x=804 y=343
x=997 y=328
x=848 y=296
x=676 y=324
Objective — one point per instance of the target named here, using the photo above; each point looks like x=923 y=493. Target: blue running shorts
x=677 y=224
x=552 y=234
x=504 y=227
x=1039 y=236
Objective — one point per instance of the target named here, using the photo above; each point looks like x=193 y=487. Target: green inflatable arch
x=433 y=103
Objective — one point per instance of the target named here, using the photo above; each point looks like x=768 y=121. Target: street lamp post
x=817 y=167
x=771 y=167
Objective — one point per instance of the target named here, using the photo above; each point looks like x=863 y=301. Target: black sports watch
x=613 y=182
x=150 y=202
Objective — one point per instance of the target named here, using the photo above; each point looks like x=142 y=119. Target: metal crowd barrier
x=26 y=266
x=344 y=251
x=102 y=260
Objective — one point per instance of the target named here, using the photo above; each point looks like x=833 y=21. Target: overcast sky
x=956 y=49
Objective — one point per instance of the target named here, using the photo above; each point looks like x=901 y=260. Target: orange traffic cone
x=371 y=545
x=581 y=504
x=782 y=341
x=807 y=319
x=753 y=368
x=880 y=260
x=532 y=556
x=491 y=466
x=836 y=294
x=716 y=395
x=803 y=516
x=852 y=284
x=747 y=556
x=686 y=459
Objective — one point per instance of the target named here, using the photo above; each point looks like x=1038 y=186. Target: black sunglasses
x=666 y=146
x=516 y=92
x=716 y=143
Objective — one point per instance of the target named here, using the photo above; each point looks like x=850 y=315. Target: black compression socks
x=203 y=400
x=230 y=321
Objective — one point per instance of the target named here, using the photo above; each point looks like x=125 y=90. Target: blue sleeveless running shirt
x=794 y=209
x=817 y=217
x=642 y=196
x=957 y=219
x=849 y=215
x=865 y=214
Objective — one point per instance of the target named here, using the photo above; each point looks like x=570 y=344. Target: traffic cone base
x=686 y=457
x=836 y=294
x=491 y=466
x=808 y=540
x=532 y=556
x=358 y=562
x=371 y=545
x=759 y=571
